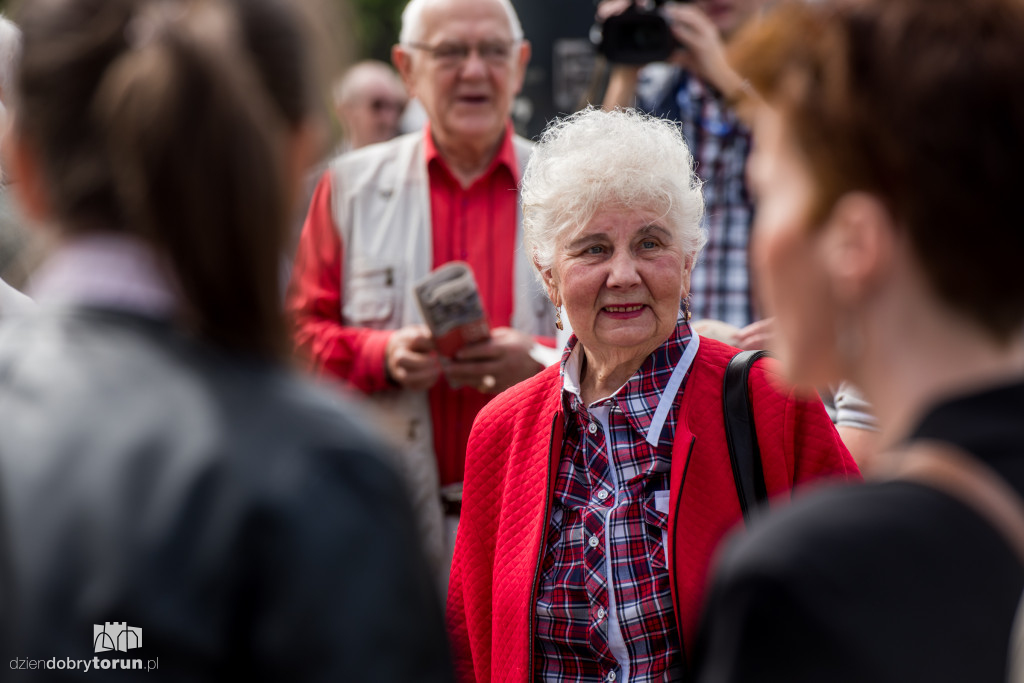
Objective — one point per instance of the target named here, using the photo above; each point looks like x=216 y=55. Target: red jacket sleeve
x=458 y=628
x=314 y=302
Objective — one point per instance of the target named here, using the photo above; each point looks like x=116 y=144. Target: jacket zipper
x=540 y=550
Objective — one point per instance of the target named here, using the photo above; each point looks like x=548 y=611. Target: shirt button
x=594 y=541
x=602 y=495
x=601 y=613
x=611 y=676
x=592 y=428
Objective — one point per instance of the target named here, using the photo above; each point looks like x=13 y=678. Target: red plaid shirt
x=610 y=519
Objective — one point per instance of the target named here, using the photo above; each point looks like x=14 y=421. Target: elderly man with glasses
x=384 y=216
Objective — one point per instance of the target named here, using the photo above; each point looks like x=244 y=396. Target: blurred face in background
x=788 y=254
x=372 y=113
x=465 y=68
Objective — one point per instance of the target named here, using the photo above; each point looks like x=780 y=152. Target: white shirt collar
x=571 y=384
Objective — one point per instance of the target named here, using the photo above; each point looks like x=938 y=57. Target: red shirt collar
x=506 y=153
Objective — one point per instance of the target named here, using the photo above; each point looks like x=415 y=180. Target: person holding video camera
x=668 y=58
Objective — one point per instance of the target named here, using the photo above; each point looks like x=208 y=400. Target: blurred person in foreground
x=597 y=491
x=384 y=216
x=368 y=101
x=887 y=246
x=160 y=466
x=12 y=301
x=698 y=88
x=12 y=237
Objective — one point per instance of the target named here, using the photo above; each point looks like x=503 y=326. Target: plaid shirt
x=610 y=519
x=720 y=143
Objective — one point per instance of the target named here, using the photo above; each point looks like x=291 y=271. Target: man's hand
x=757 y=335
x=494 y=365
x=611 y=8
x=622 y=79
x=704 y=51
x=410 y=358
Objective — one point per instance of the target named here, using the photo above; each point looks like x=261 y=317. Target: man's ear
x=522 y=59
x=402 y=61
x=30 y=187
x=859 y=243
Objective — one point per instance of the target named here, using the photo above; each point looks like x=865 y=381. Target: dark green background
x=377 y=23
x=375 y=27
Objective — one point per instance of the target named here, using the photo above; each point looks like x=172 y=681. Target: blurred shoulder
x=93 y=366
x=522 y=145
x=12 y=301
x=377 y=153
x=839 y=528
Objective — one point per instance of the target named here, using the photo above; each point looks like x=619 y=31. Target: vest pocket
x=370 y=297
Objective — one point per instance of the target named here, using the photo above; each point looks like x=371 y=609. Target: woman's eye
x=648 y=244
x=595 y=249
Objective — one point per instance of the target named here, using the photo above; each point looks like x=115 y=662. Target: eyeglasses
x=494 y=52
x=380 y=105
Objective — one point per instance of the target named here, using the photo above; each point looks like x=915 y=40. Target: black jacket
x=886 y=582
x=237 y=515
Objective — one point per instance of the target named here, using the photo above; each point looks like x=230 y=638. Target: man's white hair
x=412 y=20
x=355 y=81
x=596 y=159
x=10 y=50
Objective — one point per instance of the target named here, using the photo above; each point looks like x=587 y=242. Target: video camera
x=638 y=35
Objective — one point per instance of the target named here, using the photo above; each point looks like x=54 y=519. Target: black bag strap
x=744 y=453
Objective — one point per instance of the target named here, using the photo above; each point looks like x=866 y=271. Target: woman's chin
x=625 y=341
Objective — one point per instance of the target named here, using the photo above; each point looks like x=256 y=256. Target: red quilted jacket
x=512 y=450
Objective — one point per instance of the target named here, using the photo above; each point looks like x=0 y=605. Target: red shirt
x=476 y=224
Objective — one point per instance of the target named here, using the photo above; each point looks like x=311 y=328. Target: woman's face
x=788 y=254
x=621 y=280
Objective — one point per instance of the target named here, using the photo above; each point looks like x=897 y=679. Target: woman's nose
x=623 y=271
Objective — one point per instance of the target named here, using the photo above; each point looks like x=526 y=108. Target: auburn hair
x=921 y=103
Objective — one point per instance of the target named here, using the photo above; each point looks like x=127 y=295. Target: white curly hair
x=597 y=159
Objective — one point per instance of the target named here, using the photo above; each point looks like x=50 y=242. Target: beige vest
x=381 y=205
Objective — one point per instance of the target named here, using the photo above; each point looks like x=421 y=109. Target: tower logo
x=115 y=635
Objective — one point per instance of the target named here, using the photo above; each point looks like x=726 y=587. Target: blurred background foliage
x=376 y=26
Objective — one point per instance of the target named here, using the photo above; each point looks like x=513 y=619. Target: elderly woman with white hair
x=597 y=491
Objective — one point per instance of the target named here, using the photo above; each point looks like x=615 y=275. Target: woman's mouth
x=624 y=310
